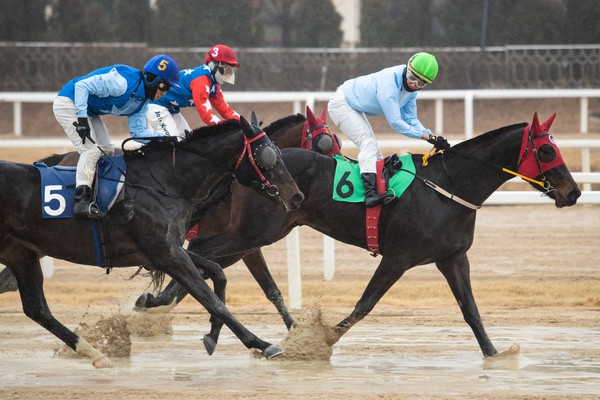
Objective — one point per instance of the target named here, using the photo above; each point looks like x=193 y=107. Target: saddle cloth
x=348 y=186
x=58 y=187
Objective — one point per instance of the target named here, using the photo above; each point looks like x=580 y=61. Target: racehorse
x=433 y=221
x=310 y=133
x=164 y=180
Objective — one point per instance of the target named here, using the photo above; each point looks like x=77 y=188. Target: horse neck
x=475 y=168
x=288 y=136
x=200 y=164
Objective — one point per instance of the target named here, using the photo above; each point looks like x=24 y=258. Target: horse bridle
x=543 y=183
x=272 y=190
x=311 y=133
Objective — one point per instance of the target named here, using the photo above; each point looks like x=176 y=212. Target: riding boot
x=372 y=198
x=84 y=208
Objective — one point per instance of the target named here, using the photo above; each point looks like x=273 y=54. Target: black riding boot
x=372 y=198
x=84 y=208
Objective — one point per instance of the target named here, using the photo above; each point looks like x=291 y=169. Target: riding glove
x=83 y=128
x=439 y=142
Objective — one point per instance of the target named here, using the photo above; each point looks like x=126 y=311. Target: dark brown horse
x=423 y=226
x=163 y=183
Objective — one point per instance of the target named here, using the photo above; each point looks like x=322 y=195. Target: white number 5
x=49 y=196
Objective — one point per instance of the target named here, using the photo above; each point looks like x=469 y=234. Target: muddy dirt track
x=535 y=277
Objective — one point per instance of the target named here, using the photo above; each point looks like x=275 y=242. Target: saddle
x=394 y=174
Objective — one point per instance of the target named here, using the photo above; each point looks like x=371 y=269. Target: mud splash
x=111 y=334
x=308 y=339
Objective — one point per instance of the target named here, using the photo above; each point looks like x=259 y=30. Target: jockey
x=391 y=92
x=118 y=90
x=199 y=87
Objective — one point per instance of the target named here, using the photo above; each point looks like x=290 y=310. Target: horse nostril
x=297 y=199
x=573 y=196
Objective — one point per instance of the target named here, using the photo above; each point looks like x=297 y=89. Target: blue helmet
x=163 y=68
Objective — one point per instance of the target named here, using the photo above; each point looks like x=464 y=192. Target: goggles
x=227 y=72
x=411 y=77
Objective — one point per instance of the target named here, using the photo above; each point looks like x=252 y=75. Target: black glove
x=83 y=128
x=439 y=142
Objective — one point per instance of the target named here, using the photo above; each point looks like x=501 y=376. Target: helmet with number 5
x=161 y=68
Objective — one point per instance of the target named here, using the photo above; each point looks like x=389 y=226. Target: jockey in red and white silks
x=199 y=87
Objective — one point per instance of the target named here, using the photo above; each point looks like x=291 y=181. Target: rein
x=543 y=183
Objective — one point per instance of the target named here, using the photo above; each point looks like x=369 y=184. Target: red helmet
x=221 y=53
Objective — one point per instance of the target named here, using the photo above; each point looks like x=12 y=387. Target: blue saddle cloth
x=58 y=187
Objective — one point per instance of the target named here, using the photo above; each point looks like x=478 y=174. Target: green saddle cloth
x=348 y=186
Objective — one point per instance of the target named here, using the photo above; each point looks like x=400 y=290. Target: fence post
x=294 y=275
x=328 y=258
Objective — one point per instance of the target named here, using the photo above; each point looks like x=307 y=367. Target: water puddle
x=551 y=360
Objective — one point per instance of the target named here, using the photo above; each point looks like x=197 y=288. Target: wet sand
x=535 y=277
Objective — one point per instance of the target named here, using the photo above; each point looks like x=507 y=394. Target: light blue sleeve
x=409 y=111
x=387 y=95
x=137 y=124
x=102 y=85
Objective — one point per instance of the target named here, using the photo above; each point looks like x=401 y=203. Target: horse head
x=317 y=136
x=541 y=160
x=261 y=166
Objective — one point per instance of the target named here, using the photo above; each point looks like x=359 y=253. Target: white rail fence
x=300 y=99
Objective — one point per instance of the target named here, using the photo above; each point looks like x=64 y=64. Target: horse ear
x=546 y=125
x=253 y=119
x=535 y=125
x=324 y=114
x=244 y=123
x=310 y=117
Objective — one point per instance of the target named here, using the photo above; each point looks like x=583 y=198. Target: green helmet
x=424 y=66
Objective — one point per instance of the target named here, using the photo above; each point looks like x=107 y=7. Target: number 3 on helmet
x=221 y=53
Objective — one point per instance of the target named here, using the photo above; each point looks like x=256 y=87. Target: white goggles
x=226 y=73
x=411 y=77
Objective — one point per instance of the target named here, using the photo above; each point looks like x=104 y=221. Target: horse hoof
x=209 y=344
x=102 y=362
x=142 y=302
x=272 y=351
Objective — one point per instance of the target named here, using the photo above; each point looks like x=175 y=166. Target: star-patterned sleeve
x=219 y=103
x=200 y=93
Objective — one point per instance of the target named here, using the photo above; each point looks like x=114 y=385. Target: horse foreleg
x=386 y=274
x=258 y=268
x=174 y=263
x=214 y=272
x=30 y=281
x=456 y=270
x=8 y=282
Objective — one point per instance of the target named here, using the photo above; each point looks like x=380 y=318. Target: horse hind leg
x=30 y=281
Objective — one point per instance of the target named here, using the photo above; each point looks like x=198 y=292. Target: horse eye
x=266 y=157
x=546 y=153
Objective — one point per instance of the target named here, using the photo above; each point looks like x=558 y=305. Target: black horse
x=423 y=226
x=310 y=132
x=164 y=180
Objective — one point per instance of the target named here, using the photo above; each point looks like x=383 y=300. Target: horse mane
x=284 y=122
x=158 y=143
x=484 y=137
